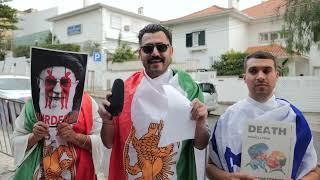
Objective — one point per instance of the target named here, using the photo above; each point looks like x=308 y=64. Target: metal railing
x=9 y=111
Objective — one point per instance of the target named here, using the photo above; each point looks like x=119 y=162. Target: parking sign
x=96 y=56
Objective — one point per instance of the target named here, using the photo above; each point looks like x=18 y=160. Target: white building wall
x=111 y=35
x=238 y=34
x=263 y=26
x=216 y=35
x=30 y=23
x=91 y=27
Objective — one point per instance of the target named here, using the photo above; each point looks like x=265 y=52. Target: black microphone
x=116 y=99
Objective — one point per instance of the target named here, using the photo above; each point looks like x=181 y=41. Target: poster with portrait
x=57 y=82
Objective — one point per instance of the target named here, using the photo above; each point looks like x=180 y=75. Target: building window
x=195 y=39
x=272 y=36
x=115 y=22
x=74 y=29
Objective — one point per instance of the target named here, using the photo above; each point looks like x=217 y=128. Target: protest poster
x=267 y=150
x=57 y=82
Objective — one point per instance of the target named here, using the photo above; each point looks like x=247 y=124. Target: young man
x=134 y=134
x=225 y=145
x=45 y=143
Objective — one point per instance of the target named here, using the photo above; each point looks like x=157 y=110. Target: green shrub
x=123 y=53
x=64 y=47
x=21 y=51
x=2 y=55
x=230 y=64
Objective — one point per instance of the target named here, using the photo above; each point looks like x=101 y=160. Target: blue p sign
x=96 y=56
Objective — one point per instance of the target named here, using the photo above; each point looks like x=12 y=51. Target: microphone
x=116 y=99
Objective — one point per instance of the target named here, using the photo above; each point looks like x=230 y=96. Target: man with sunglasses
x=56 y=135
x=134 y=134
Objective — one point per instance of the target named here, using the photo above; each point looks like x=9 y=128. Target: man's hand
x=104 y=114
x=241 y=176
x=199 y=112
x=65 y=131
x=40 y=130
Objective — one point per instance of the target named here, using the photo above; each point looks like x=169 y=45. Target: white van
x=210 y=95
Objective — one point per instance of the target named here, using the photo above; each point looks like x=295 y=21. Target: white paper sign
x=178 y=125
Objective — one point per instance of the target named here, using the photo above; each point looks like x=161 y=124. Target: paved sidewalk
x=6 y=166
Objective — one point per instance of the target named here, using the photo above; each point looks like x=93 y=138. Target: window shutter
x=189 y=40
x=202 y=38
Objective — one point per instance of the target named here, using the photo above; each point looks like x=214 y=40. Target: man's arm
x=107 y=130
x=199 y=114
x=213 y=172
x=107 y=133
x=66 y=132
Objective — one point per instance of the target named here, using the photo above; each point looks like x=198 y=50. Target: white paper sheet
x=178 y=125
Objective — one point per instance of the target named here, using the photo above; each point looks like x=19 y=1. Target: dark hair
x=153 y=28
x=260 y=55
x=75 y=62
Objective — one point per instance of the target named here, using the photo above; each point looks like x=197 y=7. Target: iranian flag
x=136 y=152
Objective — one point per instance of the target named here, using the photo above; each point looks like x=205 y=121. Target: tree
x=302 y=24
x=230 y=64
x=8 y=18
x=123 y=53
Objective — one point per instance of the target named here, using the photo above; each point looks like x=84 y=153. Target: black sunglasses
x=148 y=49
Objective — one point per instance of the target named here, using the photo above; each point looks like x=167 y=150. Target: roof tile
x=267 y=8
x=275 y=49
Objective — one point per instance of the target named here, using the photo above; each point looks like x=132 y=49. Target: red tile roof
x=274 y=49
x=267 y=8
x=202 y=13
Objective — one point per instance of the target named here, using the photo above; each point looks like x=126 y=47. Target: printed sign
x=267 y=150
x=57 y=81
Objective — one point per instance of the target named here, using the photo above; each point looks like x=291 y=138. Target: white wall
x=238 y=34
x=231 y=89
x=35 y=22
x=314 y=59
x=113 y=33
x=260 y=27
x=91 y=27
x=110 y=35
x=217 y=41
x=303 y=92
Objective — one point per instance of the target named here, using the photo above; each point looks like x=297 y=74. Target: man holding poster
x=261 y=106
x=143 y=146
x=56 y=135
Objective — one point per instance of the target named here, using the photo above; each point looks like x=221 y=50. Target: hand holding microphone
x=113 y=104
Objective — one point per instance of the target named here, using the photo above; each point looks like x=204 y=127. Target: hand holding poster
x=57 y=81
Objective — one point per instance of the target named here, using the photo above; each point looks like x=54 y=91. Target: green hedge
x=21 y=51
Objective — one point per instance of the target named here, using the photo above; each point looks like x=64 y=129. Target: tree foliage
x=123 y=53
x=302 y=24
x=8 y=18
x=230 y=64
x=91 y=46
